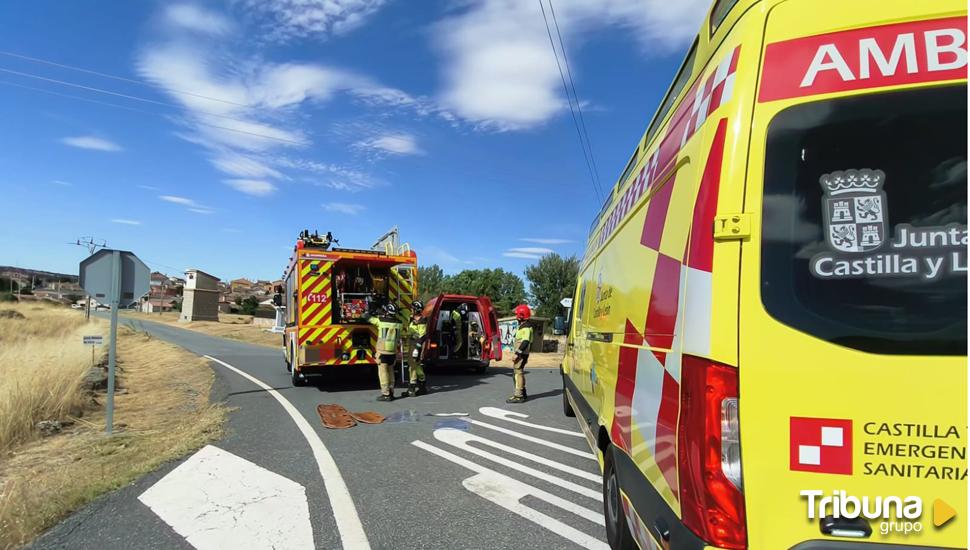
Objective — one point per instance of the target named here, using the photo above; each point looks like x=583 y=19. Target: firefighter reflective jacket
x=388 y=335
x=523 y=338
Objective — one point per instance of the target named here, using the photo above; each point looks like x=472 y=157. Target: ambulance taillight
x=709 y=453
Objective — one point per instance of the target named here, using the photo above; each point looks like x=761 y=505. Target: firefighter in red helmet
x=523 y=341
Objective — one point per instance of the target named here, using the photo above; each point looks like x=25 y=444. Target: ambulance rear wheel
x=567 y=409
x=617 y=530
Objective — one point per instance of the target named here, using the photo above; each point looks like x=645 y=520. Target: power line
x=109 y=92
x=114 y=77
x=569 y=100
x=579 y=107
x=137 y=110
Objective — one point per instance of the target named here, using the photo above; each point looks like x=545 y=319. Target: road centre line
x=352 y=536
x=508 y=492
x=503 y=414
x=532 y=439
x=460 y=439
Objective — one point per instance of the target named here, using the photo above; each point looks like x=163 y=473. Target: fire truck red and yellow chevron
x=316 y=305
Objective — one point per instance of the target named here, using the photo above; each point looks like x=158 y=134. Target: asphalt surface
x=405 y=476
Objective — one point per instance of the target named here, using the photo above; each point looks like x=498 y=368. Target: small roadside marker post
x=121 y=279
x=93 y=341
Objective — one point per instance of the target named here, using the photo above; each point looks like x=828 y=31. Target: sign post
x=121 y=279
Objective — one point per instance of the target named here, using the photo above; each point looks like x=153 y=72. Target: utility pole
x=92 y=245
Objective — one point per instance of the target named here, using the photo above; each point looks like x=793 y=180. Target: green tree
x=551 y=280
x=250 y=305
x=505 y=289
x=431 y=281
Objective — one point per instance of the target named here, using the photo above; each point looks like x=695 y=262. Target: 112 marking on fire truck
x=780 y=269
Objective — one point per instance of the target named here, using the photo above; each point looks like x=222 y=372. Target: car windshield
x=864 y=222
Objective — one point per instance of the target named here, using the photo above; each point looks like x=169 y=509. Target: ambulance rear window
x=864 y=222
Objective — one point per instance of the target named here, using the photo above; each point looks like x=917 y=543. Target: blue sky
x=216 y=131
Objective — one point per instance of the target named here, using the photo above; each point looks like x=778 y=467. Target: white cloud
x=201 y=210
x=522 y=255
x=394 y=143
x=545 y=241
x=93 y=143
x=148 y=187
x=243 y=166
x=532 y=250
x=125 y=221
x=195 y=18
x=344 y=208
x=178 y=200
x=499 y=70
x=256 y=188
x=290 y=19
x=62 y=182
x=331 y=175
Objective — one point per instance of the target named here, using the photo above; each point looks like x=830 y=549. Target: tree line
x=551 y=279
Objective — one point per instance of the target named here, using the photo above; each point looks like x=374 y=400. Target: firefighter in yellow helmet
x=523 y=341
x=389 y=331
x=416 y=331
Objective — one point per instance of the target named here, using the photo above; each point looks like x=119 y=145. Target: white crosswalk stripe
x=511 y=464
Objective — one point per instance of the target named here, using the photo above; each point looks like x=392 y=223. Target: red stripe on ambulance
x=887 y=55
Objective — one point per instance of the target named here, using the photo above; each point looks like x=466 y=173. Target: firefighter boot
x=422 y=387
x=412 y=389
x=516 y=399
x=386 y=397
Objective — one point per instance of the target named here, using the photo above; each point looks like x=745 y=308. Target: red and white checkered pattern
x=716 y=91
x=821 y=445
x=701 y=101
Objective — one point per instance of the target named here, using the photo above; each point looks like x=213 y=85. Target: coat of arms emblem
x=854 y=207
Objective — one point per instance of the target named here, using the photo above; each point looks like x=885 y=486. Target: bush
x=7 y=297
x=250 y=305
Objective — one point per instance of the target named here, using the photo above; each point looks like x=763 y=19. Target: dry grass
x=42 y=362
x=162 y=412
x=232 y=326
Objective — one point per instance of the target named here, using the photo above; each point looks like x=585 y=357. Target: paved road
x=486 y=480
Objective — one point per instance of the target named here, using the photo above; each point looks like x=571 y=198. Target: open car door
x=492 y=334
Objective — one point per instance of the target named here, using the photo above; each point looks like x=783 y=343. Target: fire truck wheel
x=481 y=369
x=567 y=409
x=297 y=379
x=617 y=531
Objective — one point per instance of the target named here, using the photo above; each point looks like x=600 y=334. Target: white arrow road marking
x=508 y=416
x=536 y=440
x=345 y=514
x=460 y=439
x=216 y=500
x=507 y=493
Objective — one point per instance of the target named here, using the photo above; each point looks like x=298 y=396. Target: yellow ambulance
x=768 y=342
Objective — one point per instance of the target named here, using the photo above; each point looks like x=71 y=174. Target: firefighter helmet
x=522 y=312
x=463 y=309
x=417 y=307
x=389 y=308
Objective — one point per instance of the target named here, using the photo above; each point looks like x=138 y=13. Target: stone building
x=200 y=297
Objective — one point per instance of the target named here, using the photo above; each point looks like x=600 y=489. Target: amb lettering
x=936 y=50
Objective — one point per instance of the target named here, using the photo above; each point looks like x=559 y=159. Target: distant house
x=241 y=286
x=157 y=305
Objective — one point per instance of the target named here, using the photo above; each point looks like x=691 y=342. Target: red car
x=462 y=332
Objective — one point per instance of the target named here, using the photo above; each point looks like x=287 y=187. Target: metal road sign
x=120 y=279
x=566 y=303
x=96 y=277
x=93 y=340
